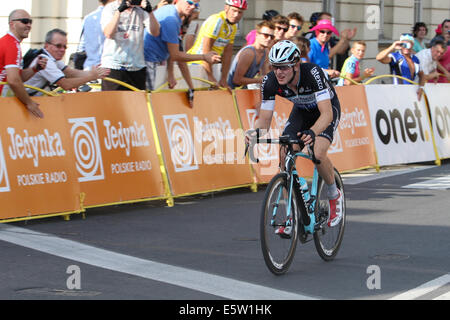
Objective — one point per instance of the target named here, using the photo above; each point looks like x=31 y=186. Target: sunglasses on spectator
x=192 y=3
x=327 y=32
x=281 y=28
x=267 y=35
x=24 y=20
x=293 y=26
x=283 y=67
x=59 y=45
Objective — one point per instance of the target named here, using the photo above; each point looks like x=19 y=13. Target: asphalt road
x=396 y=245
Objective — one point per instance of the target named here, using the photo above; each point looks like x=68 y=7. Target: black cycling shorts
x=301 y=120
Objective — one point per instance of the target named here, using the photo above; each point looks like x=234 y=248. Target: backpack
x=30 y=56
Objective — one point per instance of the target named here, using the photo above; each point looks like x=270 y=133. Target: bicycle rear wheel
x=278 y=251
x=328 y=239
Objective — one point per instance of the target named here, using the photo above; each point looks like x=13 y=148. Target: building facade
x=379 y=22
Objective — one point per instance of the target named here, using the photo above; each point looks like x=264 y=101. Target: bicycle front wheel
x=278 y=250
x=328 y=239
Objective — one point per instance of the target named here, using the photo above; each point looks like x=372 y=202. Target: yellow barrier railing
x=52 y=94
x=389 y=76
x=161 y=87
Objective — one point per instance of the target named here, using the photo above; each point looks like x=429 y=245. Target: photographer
x=402 y=62
x=123 y=23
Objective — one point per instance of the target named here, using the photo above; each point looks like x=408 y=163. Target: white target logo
x=4 y=182
x=182 y=149
x=87 y=149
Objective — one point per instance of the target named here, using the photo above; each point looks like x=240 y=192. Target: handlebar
x=282 y=140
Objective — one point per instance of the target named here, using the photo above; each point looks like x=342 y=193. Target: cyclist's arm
x=264 y=119
x=325 y=118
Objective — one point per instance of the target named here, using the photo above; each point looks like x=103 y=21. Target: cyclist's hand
x=308 y=137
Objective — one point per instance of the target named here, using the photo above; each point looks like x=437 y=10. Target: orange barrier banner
x=37 y=171
x=353 y=146
x=248 y=102
x=114 y=146
x=203 y=146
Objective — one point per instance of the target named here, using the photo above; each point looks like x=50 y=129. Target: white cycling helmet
x=284 y=52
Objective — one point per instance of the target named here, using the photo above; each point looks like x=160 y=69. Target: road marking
x=361 y=177
x=187 y=278
x=445 y=296
x=441 y=183
x=423 y=289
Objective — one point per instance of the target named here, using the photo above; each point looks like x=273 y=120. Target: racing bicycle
x=290 y=203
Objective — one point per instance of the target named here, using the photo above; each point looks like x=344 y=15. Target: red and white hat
x=241 y=4
x=325 y=24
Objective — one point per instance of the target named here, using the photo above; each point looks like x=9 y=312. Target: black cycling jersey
x=312 y=87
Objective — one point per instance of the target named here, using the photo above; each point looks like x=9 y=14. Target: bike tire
x=278 y=252
x=327 y=239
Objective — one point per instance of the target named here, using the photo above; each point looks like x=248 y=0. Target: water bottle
x=305 y=191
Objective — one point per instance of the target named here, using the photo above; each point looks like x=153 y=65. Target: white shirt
x=125 y=51
x=52 y=73
x=427 y=64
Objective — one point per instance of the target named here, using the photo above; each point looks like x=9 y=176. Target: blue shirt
x=399 y=66
x=318 y=56
x=92 y=38
x=155 y=48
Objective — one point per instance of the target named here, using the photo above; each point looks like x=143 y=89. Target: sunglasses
x=293 y=26
x=281 y=28
x=24 y=20
x=267 y=35
x=192 y=3
x=284 y=67
x=327 y=32
x=59 y=45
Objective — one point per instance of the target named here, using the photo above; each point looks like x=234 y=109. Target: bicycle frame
x=290 y=169
x=309 y=207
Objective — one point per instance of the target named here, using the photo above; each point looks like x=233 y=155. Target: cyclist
x=314 y=117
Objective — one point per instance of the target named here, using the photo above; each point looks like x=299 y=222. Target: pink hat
x=325 y=24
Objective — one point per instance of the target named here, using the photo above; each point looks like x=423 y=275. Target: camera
x=135 y=2
x=407 y=45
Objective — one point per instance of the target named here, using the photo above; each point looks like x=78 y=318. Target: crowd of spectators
x=128 y=40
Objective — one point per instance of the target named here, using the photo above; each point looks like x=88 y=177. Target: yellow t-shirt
x=215 y=27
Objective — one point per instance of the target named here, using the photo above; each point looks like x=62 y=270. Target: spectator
x=123 y=52
x=167 y=44
x=351 y=66
x=11 y=61
x=429 y=59
x=56 y=72
x=444 y=62
x=402 y=62
x=92 y=37
x=338 y=47
x=295 y=25
x=420 y=31
x=320 y=48
x=442 y=32
x=267 y=16
x=281 y=27
x=251 y=59
x=304 y=45
x=217 y=34
x=193 y=27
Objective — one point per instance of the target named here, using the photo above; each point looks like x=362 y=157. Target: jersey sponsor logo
x=316 y=74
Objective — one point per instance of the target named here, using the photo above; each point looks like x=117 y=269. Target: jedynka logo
x=44 y=145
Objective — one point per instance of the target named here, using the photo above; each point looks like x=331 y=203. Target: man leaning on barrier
x=11 y=61
x=57 y=72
